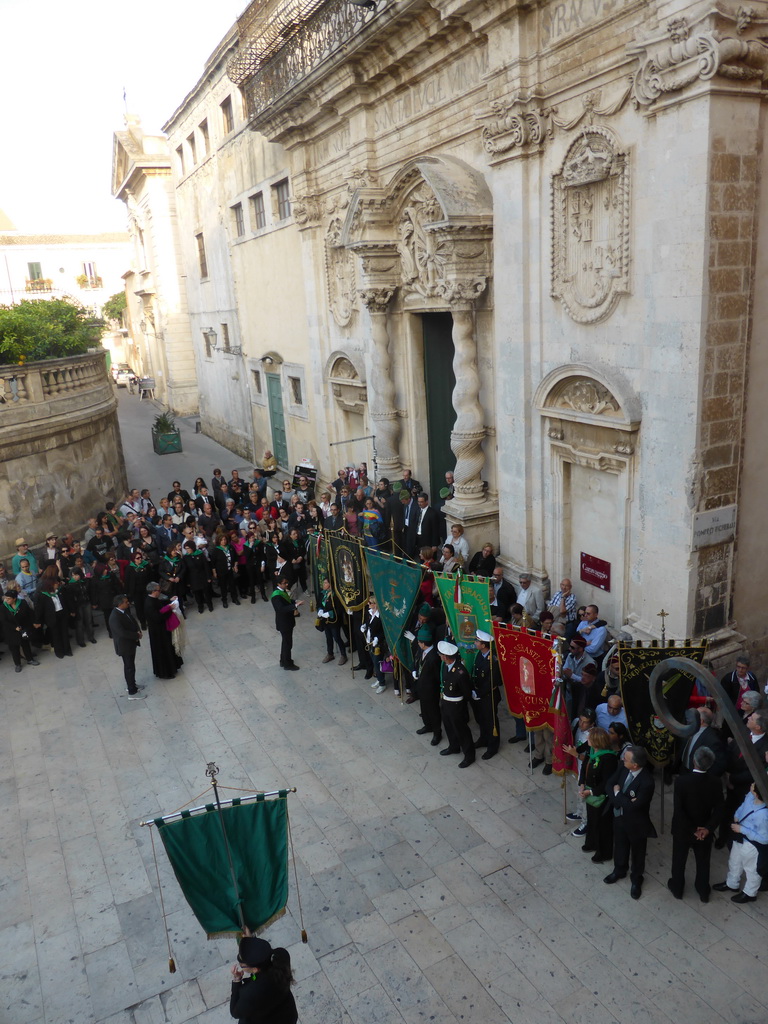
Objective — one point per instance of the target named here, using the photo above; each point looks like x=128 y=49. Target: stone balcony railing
x=50 y=378
x=267 y=67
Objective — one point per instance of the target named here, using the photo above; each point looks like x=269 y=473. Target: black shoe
x=224 y=604
x=515 y=739
x=480 y=744
x=547 y=769
x=597 y=859
x=723 y=887
x=528 y=749
x=720 y=842
x=80 y=644
x=436 y=739
x=94 y=640
x=588 y=849
x=613 y=877
x=358 y=668
x=704 y=897
x=236 y=600
x=467 y=762
x=741 y=897
x=636 y=892
x=369 y=674
x=253 y=599
x=537 y=761
x=423 y=731
x=489 y=754
x=34 y=661
x=210 y=607
x=678 y=895
x=763 y=884
x=450 y=750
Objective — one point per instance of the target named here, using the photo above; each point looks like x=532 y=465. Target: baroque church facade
x=524 y=242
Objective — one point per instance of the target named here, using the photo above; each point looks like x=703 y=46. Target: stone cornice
x=720 y=41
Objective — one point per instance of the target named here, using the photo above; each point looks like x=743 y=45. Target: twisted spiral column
x=468 y=432
x=382 y=409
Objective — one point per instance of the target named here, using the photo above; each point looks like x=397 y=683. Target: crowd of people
x=145 y=566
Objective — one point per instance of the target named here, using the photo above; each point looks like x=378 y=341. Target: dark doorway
x=440 y=382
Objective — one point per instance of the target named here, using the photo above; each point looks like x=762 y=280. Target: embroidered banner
x=467 y=608
x=562 y=762
x=396 y=584
x=350 y=581
x=635 y=667
x=527 y=669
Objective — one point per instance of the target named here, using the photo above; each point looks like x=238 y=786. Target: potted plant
x=166 y=437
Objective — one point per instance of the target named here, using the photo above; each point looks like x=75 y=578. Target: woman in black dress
x=597 y=768
x=137 y=576
x=157 y=610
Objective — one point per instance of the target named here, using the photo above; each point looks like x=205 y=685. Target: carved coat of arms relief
x=591 y=227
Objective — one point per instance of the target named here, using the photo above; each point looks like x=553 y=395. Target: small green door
x=277 y=419
x=440 y=382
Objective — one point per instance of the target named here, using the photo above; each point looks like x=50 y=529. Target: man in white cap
x=485 y=694
x=455 y=695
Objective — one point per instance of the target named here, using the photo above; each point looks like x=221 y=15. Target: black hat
x=254 y=952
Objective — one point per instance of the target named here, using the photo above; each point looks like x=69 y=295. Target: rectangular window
x=227 y=116
x=282 y=199
x=201 y=255
x=209 y=337
x=258 y=213
x=295 y=386
x=238 y=220
x=225 y=337
x=180 y=160
x=205 y=142
x=256 y=378
x=34 y=272
x=192 y=148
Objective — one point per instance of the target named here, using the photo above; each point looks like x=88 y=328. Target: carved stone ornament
x=306 y=210
x=423 y=254
x=587 y=396
x=519 y=123
x=590 y=227
x=376 y=300
x=340 y=275
x=686 y=52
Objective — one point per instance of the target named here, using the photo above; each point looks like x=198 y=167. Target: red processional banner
x=561 y=761
x=527 y=664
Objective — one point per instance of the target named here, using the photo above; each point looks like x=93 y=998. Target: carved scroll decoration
x=340 y=275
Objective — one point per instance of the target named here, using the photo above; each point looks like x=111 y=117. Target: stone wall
x=61 y=456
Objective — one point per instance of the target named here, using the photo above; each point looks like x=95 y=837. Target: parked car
x=116 y=367
x=124 y=376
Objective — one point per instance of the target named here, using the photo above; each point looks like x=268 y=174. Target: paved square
x=429 y=893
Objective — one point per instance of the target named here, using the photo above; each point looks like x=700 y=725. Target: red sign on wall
x=595 y=571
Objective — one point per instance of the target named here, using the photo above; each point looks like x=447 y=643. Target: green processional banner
x=257 y=841
x=635 y=667
x=317 y=547
x=467 y=608
x=350 y=581
x=396 y=584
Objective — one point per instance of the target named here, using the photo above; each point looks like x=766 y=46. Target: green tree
x=47 y=329
x=114 y=306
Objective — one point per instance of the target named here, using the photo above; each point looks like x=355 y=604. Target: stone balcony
x=282 y=44
x=61 y=456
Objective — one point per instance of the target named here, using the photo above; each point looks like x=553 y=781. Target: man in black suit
x=126 y=636
x=402 y=509
x=739 y=778
x=427 y=673
x=698 y=804
x=424 y=526
x=504 y=596
x=707 y=736
x=285 y=620
x=455 y=695
x=630 y=791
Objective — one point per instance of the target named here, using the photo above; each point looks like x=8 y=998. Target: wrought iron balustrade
x=267 y=69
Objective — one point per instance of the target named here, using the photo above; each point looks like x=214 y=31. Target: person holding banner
x=455 y=695
x=261 y=984
x=375 y=642
x=286 y=610
x=485 y=695
x=328 y=614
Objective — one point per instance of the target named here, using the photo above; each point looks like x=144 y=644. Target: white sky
x=62 y=71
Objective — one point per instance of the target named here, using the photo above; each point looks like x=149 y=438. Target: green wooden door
x=440 y=382
x=277 y=419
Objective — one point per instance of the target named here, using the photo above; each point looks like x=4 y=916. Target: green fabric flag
x=395 y=584
x=467 y=608
x=317 y=546
x=257 y=836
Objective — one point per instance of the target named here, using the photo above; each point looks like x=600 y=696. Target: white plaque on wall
x=718 y=526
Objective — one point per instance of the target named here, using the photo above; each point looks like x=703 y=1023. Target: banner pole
x=224 y=803
x=352 y=644
x=661 y=813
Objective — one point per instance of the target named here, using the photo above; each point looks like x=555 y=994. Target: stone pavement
x=429 y=893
